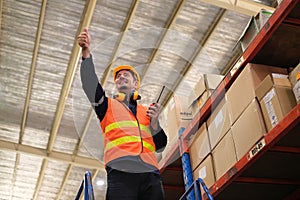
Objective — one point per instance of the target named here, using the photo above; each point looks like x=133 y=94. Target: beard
x=123 y=88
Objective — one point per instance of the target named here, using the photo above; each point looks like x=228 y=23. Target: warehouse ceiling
x=49 y=136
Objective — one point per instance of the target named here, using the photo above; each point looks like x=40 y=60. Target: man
x=131 y=131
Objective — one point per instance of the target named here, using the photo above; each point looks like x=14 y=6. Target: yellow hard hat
x=127 y=67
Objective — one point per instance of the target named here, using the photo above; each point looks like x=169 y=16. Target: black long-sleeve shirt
x=99 y=100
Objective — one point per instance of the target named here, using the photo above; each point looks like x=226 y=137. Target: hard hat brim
x=126 y=67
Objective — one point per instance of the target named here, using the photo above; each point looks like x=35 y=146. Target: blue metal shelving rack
x=192 y=188
x=186 y=166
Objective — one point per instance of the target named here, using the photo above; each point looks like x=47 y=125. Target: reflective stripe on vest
x=127 y=139
x=124 y=124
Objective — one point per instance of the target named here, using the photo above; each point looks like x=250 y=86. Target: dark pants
x=133 y=186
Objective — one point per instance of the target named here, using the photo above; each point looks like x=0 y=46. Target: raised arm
x=89 y=79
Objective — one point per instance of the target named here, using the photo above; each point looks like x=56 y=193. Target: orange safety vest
x=127 y=135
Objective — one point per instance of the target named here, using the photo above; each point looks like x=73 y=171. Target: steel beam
x=32 y=68
x=64 y=182
x=40 y=179
x=245 y=7
x=14 y=177
x=57 y=156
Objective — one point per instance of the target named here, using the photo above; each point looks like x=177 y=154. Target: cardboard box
x=197 y=90
x=199 y=146
x=224 y=155
x=248 y=129
x=249 y=33
x=207 y=82
x=212 y=81
x=276 y=98
x=205 y=171
x=218 y=123
x=178 y=115
x=242 y=91
x=199 y=102
x=293 y=74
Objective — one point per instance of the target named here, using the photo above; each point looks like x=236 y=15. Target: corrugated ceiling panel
x=194 y=21
x=92 y=144
x=52 y=180
x=106 y=25
x=195 y=18
x=59 y=31
x=152 y=13
x=145 y=31
x=172 y=65
x=143 y=34
x=221 y=44
x=7 y=164
x=9 y=132
x=27 y=173
x=30 y=138
x=215 y=55
x=73 y=183
x=182 y=41
x=161 y=77
x=19 y=22
x=65 y=144
x=75 y=112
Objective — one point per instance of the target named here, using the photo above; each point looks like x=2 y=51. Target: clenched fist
x=84 y=40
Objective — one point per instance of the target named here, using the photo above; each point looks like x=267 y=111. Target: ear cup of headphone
x=120 y=96
x=135 y=95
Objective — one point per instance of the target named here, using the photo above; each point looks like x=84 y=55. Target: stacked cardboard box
x=224 y=156
x=202 y=91
x=205 y=171
x=248 y=129
x=218 y=123
x=237 y=122
x=245 y=115
x=242 y=91
x=199 y=146
x=276 y=98
x=235 y=125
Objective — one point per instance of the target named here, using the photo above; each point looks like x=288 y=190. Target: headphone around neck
x=120 y=96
